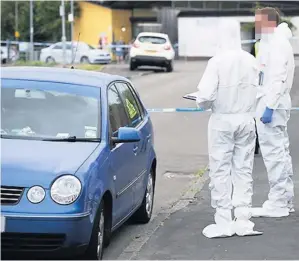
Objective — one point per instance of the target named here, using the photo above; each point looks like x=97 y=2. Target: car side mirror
x=127 y=135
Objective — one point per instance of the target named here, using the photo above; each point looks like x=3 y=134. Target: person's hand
x=267 y=116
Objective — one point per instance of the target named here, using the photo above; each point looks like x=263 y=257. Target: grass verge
x=201 y=172
x=89 y=67
x=33 y=63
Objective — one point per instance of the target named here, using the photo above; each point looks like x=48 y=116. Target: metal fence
x=24 y=53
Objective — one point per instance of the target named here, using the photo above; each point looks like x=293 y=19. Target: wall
x=121 y=18
x=93 y=21
x=295 y=41
x=198 y=40
x=137 y=12
x=167 y=17
x=197 y=37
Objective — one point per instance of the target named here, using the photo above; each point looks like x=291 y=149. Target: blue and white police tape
x=177 y=110
x=190 y=109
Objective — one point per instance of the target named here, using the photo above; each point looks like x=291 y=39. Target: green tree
x=46 y=19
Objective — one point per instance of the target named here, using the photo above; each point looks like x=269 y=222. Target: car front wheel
x=144 y=213
x=50 y=60
x=84 y=60
x=96 y=244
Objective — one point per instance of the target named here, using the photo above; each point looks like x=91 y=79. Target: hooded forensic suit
x=276 y=61
x=229 y=88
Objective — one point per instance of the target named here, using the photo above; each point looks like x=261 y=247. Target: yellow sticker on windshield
x=131 y=109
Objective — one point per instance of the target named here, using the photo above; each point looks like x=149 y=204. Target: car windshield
x=91 y=47
x=152 y=39
x=38 y=114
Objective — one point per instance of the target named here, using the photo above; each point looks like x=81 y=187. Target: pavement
x=182 y=204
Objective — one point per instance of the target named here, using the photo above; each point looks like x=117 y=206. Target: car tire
x=84 y=59
x=50 y=60
x=132 y=66
x=144 y=212
x=97 y=241
x=169 y=67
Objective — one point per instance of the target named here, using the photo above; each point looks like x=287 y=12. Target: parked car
x=152 y=49
x=82 y=53
x=4 y=55
x=78 y=160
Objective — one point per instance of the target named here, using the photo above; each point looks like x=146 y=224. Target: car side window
x=117 y=114
x=68 y=46
x=57 y=46
x=130 y=103
x=140 y=106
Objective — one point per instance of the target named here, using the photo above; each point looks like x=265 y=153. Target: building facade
x=123 y=20
x=197 y=31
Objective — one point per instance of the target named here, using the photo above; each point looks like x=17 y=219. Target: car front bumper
x=150 y=60
x=101 y=60
x=45 y=234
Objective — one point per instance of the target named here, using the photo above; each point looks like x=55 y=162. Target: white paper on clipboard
x=191 y=96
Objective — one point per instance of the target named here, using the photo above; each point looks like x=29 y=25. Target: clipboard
x=191 y=96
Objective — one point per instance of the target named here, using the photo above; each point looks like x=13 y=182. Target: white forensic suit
x=229 y=87
x=276 y=61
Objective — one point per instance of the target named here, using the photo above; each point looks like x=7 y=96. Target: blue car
x=77 y=160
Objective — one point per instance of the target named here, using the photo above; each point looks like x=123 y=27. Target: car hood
x=45 y=49
x=25 y=163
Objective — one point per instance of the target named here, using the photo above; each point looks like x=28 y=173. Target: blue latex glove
x=267 y=116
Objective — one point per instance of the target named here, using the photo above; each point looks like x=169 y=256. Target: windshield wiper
x=68 y=139
x=73 y=139
x=19 y=137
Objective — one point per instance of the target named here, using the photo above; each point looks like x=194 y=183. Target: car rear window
x=152 y=39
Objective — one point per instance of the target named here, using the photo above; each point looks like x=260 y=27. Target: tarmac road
x=181 y=143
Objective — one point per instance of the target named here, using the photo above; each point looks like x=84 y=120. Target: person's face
x=263 y=25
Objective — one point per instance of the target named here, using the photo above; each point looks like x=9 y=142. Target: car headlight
x=66 y=189
x=36 y=194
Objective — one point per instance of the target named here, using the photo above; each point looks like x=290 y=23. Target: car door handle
x=135 y=149
x=148 y=137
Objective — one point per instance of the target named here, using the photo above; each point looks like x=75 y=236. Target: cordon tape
x=191 y=109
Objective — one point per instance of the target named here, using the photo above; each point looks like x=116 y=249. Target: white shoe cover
x=267 y=212
x=245 y=228
x=216 y=231
x=242 y=225
x=291 y=207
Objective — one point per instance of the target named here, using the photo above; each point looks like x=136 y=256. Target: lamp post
x=31 y=31
x=71 y=19
x=62 y=14
x=16 y=21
